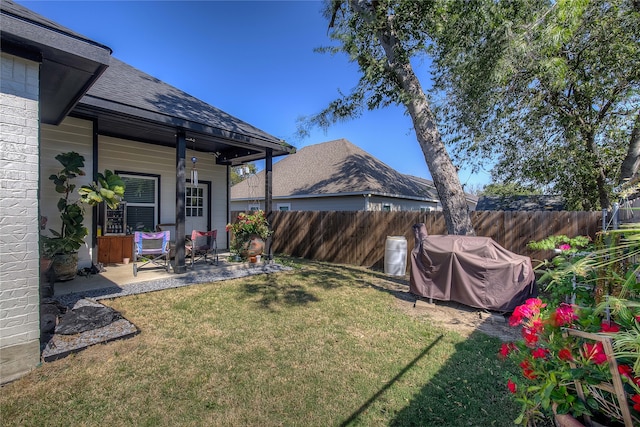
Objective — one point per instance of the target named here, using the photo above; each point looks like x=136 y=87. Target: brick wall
x=19 y=256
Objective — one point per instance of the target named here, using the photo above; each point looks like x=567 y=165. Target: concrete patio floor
x=121 y=275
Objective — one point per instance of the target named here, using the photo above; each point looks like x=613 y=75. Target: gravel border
x=178 y=281
x=59 y=346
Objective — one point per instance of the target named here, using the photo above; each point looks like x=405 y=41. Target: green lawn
x=322 y=345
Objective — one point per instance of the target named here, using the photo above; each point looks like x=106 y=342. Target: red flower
x=529 y=309
x=513 y=387
x=505 y=349
x=610 y=327
x=540 y=353
x=527 y=370
x=595 y=352
x=564 y=315
x=636 y=401
x=530 y=336
x=626 y=371
x=565 y=354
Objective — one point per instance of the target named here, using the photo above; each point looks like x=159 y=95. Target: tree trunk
x=630 y=164
x=443 y=172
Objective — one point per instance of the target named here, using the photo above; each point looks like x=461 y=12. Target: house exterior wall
x=343 y=203
x=19 y=253
x=136 y=157
x=75 y=134
x=378 y=203
x=72 y=134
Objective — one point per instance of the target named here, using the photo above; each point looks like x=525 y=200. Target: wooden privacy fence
x=359 y=238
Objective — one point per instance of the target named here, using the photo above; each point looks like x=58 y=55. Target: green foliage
x=544 y=91
x=568 y=245
x=384 y=39
x=509 y=189
x=601 y=283
x=240 y=173
x=109 y=189
x=551 y=359
x=245 y=227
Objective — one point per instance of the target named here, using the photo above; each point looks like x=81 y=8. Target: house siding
x=130 y=156
x=344 y=203
x=72 y=134
x=377 y=203
x=19 y=253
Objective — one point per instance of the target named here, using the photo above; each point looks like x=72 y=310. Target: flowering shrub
x=245 y=227
x=550 y=360
x=589 y=295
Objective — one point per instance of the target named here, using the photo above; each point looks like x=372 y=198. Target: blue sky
x=252 y=59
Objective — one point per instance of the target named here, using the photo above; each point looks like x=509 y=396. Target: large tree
x=549 y=91
x=382 y=37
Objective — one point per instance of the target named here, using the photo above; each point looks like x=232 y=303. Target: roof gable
x=334 y=167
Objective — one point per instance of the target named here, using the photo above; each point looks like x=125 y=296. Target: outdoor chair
x=151 y=249
x=203 y=246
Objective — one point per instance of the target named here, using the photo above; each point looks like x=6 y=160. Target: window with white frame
x=194 y=201
x=253 y=207
x=141 y=195
x=386 y=207
x=283 y=206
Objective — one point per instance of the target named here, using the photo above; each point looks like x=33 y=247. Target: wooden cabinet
x=113 y=249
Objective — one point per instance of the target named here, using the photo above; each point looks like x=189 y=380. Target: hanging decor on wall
x=194 y=172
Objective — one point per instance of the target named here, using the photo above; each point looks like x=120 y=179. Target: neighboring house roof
x=69 y=63
x=334 y=168
x=472 y=199
x=521 y=203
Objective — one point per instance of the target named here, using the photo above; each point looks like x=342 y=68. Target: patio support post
x=268 y=196
x=181 y=152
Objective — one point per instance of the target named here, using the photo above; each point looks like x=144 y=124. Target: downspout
x=181 y=152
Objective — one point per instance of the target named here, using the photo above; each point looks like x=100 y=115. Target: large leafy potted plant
x=249 y=233
x=63 y=244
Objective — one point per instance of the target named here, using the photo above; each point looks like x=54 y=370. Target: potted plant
x=249 y=232
x=63 y=244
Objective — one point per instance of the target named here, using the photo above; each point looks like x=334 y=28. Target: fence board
x=359 y=238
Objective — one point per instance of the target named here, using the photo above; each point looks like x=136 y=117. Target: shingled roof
x=521 y=203
x=335 y=168
x=124 y=87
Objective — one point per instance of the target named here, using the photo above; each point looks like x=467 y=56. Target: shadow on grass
x=469 y=390
x=388 y=385
x=271 y=293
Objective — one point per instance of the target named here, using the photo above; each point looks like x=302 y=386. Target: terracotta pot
x=254 y=247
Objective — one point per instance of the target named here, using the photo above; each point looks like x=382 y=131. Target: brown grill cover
x=474 y=271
